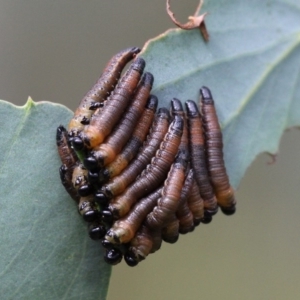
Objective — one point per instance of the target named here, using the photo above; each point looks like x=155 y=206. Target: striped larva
x=134 y=143
x=214 y=149
x=124 y=229
x=119 y=183
x=104 y=119
x=68 y=159
x=169 y=201
x=155 y=173
x=101 y=90
x=198 y=157
x=113 y=144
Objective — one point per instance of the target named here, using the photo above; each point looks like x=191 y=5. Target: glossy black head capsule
x=130 y=259
x=101 y=198
x=90 y=163
x=96 y=231
x=113 y=256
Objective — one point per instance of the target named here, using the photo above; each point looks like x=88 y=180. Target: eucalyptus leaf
x=251 y=64
x=45 y=250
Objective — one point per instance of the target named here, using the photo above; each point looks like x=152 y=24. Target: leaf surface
x=45 y=250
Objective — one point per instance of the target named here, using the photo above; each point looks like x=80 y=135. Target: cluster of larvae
x=140 y=174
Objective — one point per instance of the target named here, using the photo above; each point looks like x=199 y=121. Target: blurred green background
x=55 y=50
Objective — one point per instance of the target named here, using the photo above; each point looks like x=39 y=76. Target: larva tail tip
x=176 y=105
x=206 y=96
x=152 y=102
x=139 y=64
x=171 y=240
x=228 y=211
x=148 y=79
x=135 y=50
x=207 y=218
x=60 y=132
x=191 y=108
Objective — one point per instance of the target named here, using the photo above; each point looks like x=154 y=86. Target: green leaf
x=251 y=64
x=45 y=250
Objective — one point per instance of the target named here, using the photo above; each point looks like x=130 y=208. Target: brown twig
x=195 y=21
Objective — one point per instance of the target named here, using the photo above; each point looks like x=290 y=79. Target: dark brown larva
x=118 y=184
x=168 y=204
x=198 y=158
x=113 y=144
x=101 y=90
x=214 y=149
x=155 y=173
x=68 y=158
x=134 y=143
x=124 y=229
x=170 y=233
x=104 y=119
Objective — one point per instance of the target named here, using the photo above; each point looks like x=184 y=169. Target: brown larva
x=155 y=173
x=214 y=149
x=68 y=158
x=119 y=183
x=101 y=90
x=104 y=119
x=113 y=144
x=134 y=143
x=168 y=204
x=198 y=158
x=124 y=229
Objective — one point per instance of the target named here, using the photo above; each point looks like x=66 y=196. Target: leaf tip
x=29 y=104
